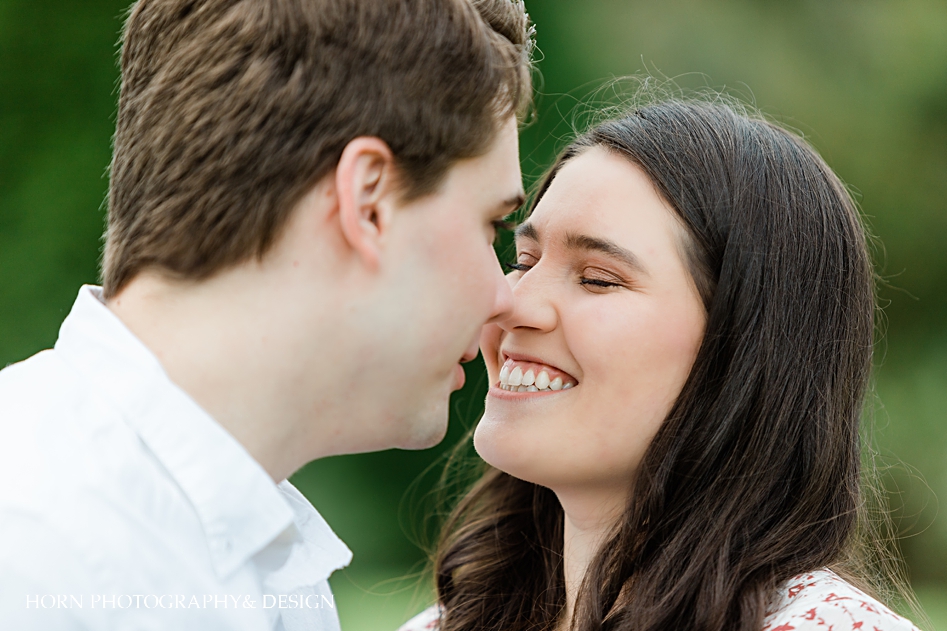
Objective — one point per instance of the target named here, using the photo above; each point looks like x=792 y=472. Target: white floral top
x=819 y=601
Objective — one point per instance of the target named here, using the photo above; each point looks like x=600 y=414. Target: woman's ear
x=365 y=185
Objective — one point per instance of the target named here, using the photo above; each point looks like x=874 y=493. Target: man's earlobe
x=365 y=184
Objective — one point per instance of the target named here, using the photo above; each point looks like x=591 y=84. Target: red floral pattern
x=819 y=601
x=427 y=620
x=822 y=601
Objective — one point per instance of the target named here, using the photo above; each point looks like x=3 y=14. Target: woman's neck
x=590 y=517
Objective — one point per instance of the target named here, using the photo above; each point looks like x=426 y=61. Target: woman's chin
x=500 y=447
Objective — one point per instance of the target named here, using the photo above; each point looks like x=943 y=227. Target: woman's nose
x=533 y=306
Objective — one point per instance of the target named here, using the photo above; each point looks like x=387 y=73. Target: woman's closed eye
x=591 y=278
x=595 y=282
x=523 y=263
x=600 y=279
x=517 y=267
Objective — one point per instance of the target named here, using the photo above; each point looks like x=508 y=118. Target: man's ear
x=365 y=184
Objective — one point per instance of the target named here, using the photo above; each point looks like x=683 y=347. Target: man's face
x=445 y=284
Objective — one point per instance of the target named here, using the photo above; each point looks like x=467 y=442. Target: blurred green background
x=864 y=80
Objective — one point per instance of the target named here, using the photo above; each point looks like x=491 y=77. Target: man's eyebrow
x=575 y=241
x=514 y=202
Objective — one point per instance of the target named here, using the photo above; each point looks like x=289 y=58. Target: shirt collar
x=313 y=550
x=241 y=509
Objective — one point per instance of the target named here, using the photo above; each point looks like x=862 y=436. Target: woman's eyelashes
x=590 y=278
x=517 y=267
x=594 y=278
x=523 y=263
x=597 y=282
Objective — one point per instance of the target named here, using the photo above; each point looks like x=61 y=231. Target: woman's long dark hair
x=753 y=478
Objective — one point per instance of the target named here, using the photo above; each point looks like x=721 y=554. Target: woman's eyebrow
x=575 y=241
x=608 y=248
x=526 y=230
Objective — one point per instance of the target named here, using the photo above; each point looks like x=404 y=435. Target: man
x=302 y=205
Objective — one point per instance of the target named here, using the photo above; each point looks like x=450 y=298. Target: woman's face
x=605 y=327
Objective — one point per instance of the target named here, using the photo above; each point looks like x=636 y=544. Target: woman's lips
x=527 y=376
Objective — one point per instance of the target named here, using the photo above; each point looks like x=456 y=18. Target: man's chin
x=429 y=430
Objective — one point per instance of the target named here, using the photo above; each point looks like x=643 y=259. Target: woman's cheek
x=490 y=336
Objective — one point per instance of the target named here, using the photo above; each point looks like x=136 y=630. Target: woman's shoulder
x=822 y=600
x=427 y=620
x=817 y=601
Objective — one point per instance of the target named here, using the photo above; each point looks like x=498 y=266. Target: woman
x=672 y=425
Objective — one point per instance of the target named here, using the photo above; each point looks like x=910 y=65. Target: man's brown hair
x=231 y=109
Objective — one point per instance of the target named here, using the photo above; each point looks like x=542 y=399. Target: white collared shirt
x=123 y=505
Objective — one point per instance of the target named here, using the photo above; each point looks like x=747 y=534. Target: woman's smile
x=522 y=374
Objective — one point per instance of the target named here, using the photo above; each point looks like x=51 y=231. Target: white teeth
x=542 y=381
x=514 y=380
x=505 y=375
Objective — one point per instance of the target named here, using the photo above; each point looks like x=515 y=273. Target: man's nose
x=503 y=299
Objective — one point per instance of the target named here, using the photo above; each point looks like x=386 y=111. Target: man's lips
x=460 y=378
